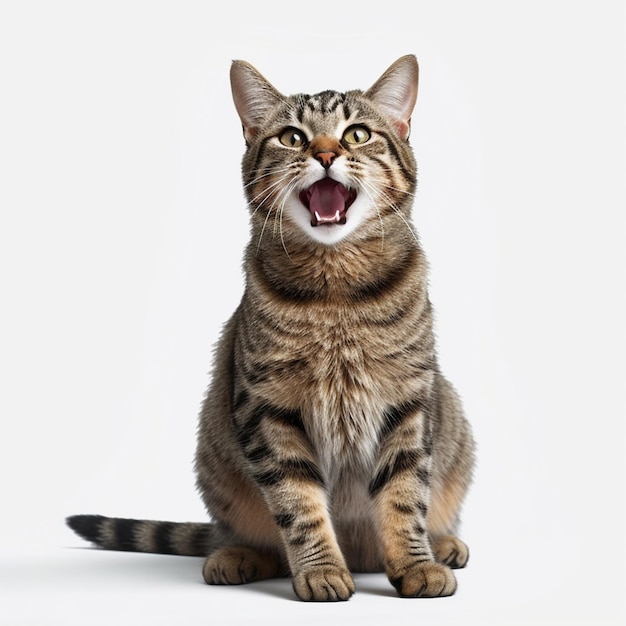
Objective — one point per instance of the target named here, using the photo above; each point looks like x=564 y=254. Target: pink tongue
x=327 y=201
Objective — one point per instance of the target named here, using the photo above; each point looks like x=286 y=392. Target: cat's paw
x=324 y=584
x=236 y=566
x=425 y=580
x=450 y=551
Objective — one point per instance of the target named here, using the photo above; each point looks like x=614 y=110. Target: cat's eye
x=292 y=138
x=356 y=135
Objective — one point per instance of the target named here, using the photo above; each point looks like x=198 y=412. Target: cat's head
x=332 y=165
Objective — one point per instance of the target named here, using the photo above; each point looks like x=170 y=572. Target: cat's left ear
x=395 y=93
x=253 y=95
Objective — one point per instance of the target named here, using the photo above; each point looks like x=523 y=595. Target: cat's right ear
x=254 y=97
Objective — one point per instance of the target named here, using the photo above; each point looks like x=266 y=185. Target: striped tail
x=186 y=539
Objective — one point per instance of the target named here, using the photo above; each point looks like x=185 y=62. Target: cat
x=329 y=442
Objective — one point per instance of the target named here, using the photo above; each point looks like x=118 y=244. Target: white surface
x=121 y=238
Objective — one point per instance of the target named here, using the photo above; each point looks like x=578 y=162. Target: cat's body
x=329 y=440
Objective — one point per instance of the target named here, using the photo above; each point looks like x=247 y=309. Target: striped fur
x=329 y=440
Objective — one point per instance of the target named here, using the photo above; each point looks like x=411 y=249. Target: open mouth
x=328 y=201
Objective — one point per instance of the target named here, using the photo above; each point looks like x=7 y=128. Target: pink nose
x=325 y=158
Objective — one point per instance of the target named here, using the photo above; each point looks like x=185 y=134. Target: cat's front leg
x=401 y=491
x=282 y=464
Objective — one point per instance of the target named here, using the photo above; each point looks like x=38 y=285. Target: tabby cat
x=329 y=441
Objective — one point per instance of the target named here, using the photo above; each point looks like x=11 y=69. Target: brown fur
x=329 y=441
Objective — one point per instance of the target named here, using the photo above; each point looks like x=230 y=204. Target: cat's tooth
x=336 y=219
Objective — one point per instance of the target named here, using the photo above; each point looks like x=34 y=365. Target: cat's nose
x=326 y=158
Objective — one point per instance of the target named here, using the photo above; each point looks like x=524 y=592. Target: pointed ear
x=254 y=97
x=395 y=93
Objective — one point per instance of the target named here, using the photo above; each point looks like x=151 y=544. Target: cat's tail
x=187 y=538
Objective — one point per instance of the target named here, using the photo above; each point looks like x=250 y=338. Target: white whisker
x=267 y=217
x=287 y=192
x=274 y=196
x=385 y=197
x=373 y=198
x=268 y=192
x=269 y=172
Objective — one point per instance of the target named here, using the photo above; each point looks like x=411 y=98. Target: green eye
x=292 y=138
x=356 y=135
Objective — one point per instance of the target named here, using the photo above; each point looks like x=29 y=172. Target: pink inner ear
x=249 y=133
x=402 y=128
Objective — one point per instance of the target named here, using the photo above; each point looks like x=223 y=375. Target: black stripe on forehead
x=306 y=108
x=300 y=108
x=325 y=101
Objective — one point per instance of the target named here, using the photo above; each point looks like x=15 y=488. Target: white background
x=121 y=235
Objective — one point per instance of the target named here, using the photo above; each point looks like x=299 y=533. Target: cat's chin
x=328 y=232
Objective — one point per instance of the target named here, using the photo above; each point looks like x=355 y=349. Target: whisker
x=275 y=195
x=404 y=191
x=269 y=172
x=372 y=197
x=285 y=196
x=267 y=193
x=267 y=217
x=385 y=197
x=390 y=169
x=271 y=186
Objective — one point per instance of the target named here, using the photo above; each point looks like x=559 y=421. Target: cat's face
x=332 y=165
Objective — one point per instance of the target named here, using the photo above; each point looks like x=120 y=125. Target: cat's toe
x=324 y=584
x=236 y=566
x=425 y=580
x=450 y=551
